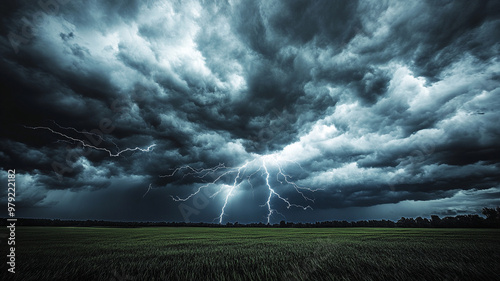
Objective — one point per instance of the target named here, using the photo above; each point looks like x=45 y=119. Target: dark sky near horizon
x=374 y=109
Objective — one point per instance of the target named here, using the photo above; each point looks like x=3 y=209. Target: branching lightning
x=235 y=184
x=147 y=191
x=85 y=144
x=240 y=176
x=217 y=176
x=100 y=137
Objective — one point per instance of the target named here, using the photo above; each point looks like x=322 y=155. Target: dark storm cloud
x=379 y=102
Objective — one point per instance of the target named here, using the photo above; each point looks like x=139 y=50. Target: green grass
x=66 y=253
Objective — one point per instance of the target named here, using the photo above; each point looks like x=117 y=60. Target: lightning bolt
x=240 y=176
x=147 y=191
x=84 y=144
x=85 y=133
x=273 y=192
x=218 y=174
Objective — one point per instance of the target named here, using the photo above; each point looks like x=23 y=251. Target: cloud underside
x=376 y=103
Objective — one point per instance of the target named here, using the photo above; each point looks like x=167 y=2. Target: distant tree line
x=491 y=219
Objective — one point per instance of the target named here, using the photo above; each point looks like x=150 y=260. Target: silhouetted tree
x=421 y=222
x=435 y=221
x=492 y=216
x=491 y=213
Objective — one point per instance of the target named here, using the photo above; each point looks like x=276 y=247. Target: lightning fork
x=84 y=144
x=240 y=178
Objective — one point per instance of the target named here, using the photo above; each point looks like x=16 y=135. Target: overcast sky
x=359 y=110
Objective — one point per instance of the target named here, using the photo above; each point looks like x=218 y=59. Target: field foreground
x=66 y=253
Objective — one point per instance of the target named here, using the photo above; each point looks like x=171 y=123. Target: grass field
x=65 y=253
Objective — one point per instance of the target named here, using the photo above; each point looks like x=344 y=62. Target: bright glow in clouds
x=262 y=166
x=368 y=102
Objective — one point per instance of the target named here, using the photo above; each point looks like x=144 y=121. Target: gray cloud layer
x=379 y=102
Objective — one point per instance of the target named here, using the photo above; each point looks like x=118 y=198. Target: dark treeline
x=492 y=219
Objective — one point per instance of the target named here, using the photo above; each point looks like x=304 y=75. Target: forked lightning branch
x=226 y=180
x=266 y=166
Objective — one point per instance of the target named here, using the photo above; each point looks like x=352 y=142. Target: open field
x=65 y=253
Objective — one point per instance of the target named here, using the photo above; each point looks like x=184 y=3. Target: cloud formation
x=376 y=103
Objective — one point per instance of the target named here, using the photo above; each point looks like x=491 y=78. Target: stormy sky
x=360 y=110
